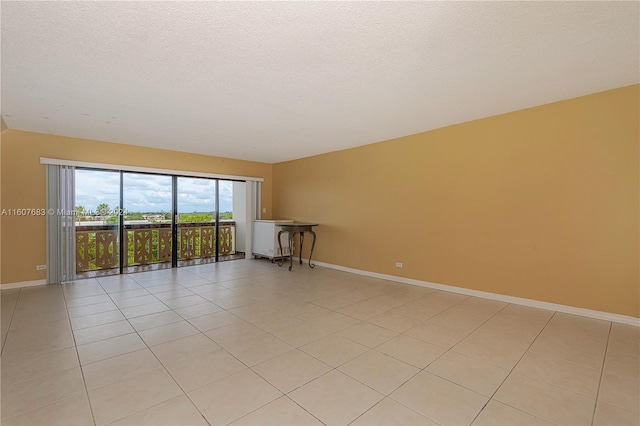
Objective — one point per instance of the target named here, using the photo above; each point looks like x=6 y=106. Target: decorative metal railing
x=97 y=246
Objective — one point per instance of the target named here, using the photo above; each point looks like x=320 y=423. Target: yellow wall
x=3 y=127
x=541 y=203
x=23 y=239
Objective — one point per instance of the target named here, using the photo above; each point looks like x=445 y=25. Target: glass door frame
x=122 y=232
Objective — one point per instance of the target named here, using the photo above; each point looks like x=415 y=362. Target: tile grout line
x=310 y=301
x=451 y=350
x=370 y=349
x=319 y=360
x=307 y=411
x=491 y=398
x=13 y=311
x=373 y=348
x=247 y=366
x=604 y=360
x=169 y=373
x=156 y=357
x=135 y=331
x=75 y=344
x=45 y=375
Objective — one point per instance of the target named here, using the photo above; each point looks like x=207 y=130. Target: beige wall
x=23 y=240
x=540 y=203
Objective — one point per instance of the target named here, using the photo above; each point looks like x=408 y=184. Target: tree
x=81 y=212
x=103 y=210
x=134 y=216
x=195 y=217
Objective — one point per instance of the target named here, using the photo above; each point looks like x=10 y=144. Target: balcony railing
x=145 y=244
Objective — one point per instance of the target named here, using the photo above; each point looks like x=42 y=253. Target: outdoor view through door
x=129 y=222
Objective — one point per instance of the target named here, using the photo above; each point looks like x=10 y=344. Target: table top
x=297 y=225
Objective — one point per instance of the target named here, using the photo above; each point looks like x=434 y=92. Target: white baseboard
x=607 y=316
x=21 y=284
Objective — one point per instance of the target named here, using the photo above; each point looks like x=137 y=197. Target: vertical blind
x=60 y=223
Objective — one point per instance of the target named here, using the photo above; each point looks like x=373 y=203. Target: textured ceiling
x=274 y=81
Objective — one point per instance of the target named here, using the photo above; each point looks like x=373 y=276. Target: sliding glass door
x=147 y=223
x=130 y=222
x=97 y=222
x=197 y=219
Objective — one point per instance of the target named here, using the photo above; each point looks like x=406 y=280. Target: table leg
x=291 y=239
x=281 y=261
x=301 y=243
x=313 y=244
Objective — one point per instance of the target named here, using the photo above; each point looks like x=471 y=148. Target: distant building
x=153 y=217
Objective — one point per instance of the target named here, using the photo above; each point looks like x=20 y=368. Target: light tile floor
x=249 y=343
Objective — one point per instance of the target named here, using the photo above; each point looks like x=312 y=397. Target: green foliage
x=195 y=217
x=133 y=216
x=80 y=213
x=198 y=217
x=103 y=210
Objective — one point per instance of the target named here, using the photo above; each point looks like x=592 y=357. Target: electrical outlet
x=41 y=267
x=264 y=210
x=398 y=264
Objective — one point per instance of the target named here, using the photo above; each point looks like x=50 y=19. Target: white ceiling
x=274 y=81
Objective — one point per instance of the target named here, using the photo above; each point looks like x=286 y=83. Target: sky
x=149 y=193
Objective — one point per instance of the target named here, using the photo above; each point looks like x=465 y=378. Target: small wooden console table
x=292 y=229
